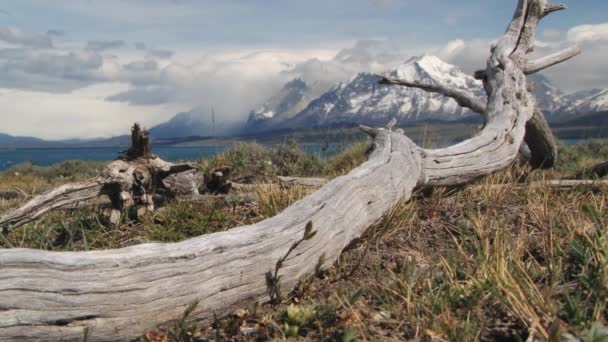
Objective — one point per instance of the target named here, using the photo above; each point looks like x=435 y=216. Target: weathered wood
x=288 y=182
x=599 y=170
x=539 y=137
x=463 y=96
x=130 y=182
x=541 y=141
x=118 y=294
x=218 y=180
x=545 y=62
x=183 y=184
x=551 y=60
x=140 y=144
x=50 y=200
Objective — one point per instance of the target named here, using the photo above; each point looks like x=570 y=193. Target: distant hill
x=185 y=124
x=7 y=140
x=592 y=120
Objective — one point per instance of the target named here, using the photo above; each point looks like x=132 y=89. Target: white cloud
x=584 y=33
x=587 y=70
x=61 y=92
x=14 y=35
x=82 y=113
x=100 y=45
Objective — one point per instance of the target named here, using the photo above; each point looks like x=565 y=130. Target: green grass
x=253 y=162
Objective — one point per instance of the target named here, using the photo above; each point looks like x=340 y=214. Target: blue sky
x=203 y=23
x=100 y=64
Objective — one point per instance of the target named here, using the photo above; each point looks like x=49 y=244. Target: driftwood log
x=119 y=294
x=129 y=181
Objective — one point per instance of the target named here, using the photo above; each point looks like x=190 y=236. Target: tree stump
x=130 y=182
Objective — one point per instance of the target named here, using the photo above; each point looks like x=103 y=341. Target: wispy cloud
x=17 y=36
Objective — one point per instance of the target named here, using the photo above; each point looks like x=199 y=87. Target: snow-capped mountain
x=584 y=102
x=364 y=101
x=548 y=97
x=291 y=99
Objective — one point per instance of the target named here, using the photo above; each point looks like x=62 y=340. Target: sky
x=90 y=68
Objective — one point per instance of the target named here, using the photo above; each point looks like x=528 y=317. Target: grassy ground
x=488 y=262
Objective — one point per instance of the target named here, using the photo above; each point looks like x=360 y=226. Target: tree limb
x=552 y=59
x=464 y=97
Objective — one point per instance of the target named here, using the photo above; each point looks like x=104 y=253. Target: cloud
x=552 y=34
x=142 y=65
x=17 y=36
x=55 y=33
x=144 y=96
x=467 y=55
x=587 y=70
x=100 y=45
x=159 y=53
x=137 y=79
x=588 y=33
x=83 y=113
x=49 y=70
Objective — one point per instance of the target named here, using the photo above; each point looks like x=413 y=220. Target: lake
x=49 y=156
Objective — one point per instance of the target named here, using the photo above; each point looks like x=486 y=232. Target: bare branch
x=552 y=59
x=463 y=97
x=550 y=8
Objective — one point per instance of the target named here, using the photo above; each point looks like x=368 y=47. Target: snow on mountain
x=548 y=97
x=290 y=100
x=585 y=102
x=363 y=100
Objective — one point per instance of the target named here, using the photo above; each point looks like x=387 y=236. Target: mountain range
x=362 y=100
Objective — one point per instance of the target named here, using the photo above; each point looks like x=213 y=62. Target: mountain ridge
x=362 y=101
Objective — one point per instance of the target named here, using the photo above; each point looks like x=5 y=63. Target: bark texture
x=118 y=294
x=541 y=141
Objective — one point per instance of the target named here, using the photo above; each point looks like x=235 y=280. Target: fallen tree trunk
x=118 y=294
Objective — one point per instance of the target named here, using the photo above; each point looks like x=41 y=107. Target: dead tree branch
x=463 y=96
x=551 y=60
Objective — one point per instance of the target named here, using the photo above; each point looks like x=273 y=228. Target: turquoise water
x=49 y=156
